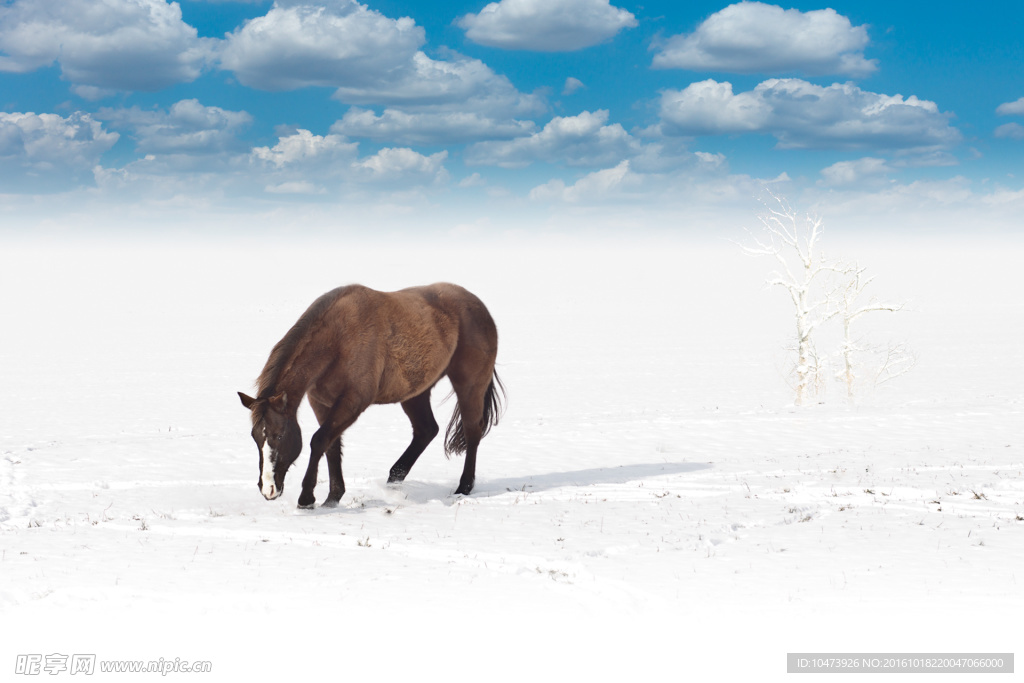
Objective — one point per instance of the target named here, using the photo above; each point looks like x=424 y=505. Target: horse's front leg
x=317 y=446
x=306 y=498
x=334 y=470
x=333 y=423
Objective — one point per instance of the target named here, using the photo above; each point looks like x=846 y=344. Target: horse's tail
x=494 y=400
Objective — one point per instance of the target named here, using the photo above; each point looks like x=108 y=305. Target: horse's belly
x=401 y=381
x=411 y=367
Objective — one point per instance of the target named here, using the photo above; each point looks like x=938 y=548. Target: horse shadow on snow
x=388 y=496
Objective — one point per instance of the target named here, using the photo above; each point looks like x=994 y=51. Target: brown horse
x=354 y=347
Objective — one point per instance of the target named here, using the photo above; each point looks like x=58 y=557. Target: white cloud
x=458 y=83
x=403 y=163
x=430 y=127
x=295 y=187
x=123 y=45
x=545 y=25
x=753 y=37
x=473 y=180
x=52 y=143
x=711 y=107
x=1015 y=108
x=859 y=171
x=173 y=172
x=592 y=186
x=323 y=168
x=92 y=93
x=696 y=197
x=187 y=128
x=572 y=85
x=928 y=204
x=701 y=177
x=333 y=43
x=803 y=115
x=710 y=160
x=1004 y=196
x=581 y=140
x=1013 y=131
x=303 y=160
x=369 y=58
x=305 y=149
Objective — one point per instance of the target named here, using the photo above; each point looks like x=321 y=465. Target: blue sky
x=545 y=111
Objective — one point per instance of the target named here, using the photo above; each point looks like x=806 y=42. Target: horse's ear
x=279 y=402
x=247 y=401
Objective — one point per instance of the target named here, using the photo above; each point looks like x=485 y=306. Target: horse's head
x=278 y=438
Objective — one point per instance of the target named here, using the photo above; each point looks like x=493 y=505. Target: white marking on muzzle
x=268 y=487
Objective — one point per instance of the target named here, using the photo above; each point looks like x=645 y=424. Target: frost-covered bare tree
x=792 y=239
x=894 y=359
x=822 y=289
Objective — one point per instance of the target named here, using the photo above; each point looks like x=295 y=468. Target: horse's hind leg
x=471 y=418
x=424 y=429
x=471 y=393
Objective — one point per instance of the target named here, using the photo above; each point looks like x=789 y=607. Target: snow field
x=651 y=502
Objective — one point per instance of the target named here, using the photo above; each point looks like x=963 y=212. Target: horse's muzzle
x=270 y=492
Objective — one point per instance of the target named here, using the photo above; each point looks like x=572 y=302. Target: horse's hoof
x=307 y=506
x=463 y=490
x=329 y=503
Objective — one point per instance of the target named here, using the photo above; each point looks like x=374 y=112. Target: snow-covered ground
x=651 y=503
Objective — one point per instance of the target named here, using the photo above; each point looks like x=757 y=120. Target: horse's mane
x=286 y=349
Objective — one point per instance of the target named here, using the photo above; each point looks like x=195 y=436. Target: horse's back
x=465 y=323
x=417 y=332
x=401 y=343
x=475 y=324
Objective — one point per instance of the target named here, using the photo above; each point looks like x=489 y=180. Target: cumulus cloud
x=859 y=171
x=545 y=25
x=459 y=83
x=295 y=187
x=701 y=178
x=187 y=128
x=710 y=107
x=300 y=163
x=1015 y=108
x=123 y=45
x=803 y=115
x=753 y=37
x=1013 y=131
x=333 y=43
x=473 y=180
x=581 y=140
x=369 y=59
x=594 y=185
x=572 y=85
x=51 y=143
x=303 y=148
x=403 y=163
x=193 y=179
x=428 y=128
x=302 y=160
x=92 y=93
